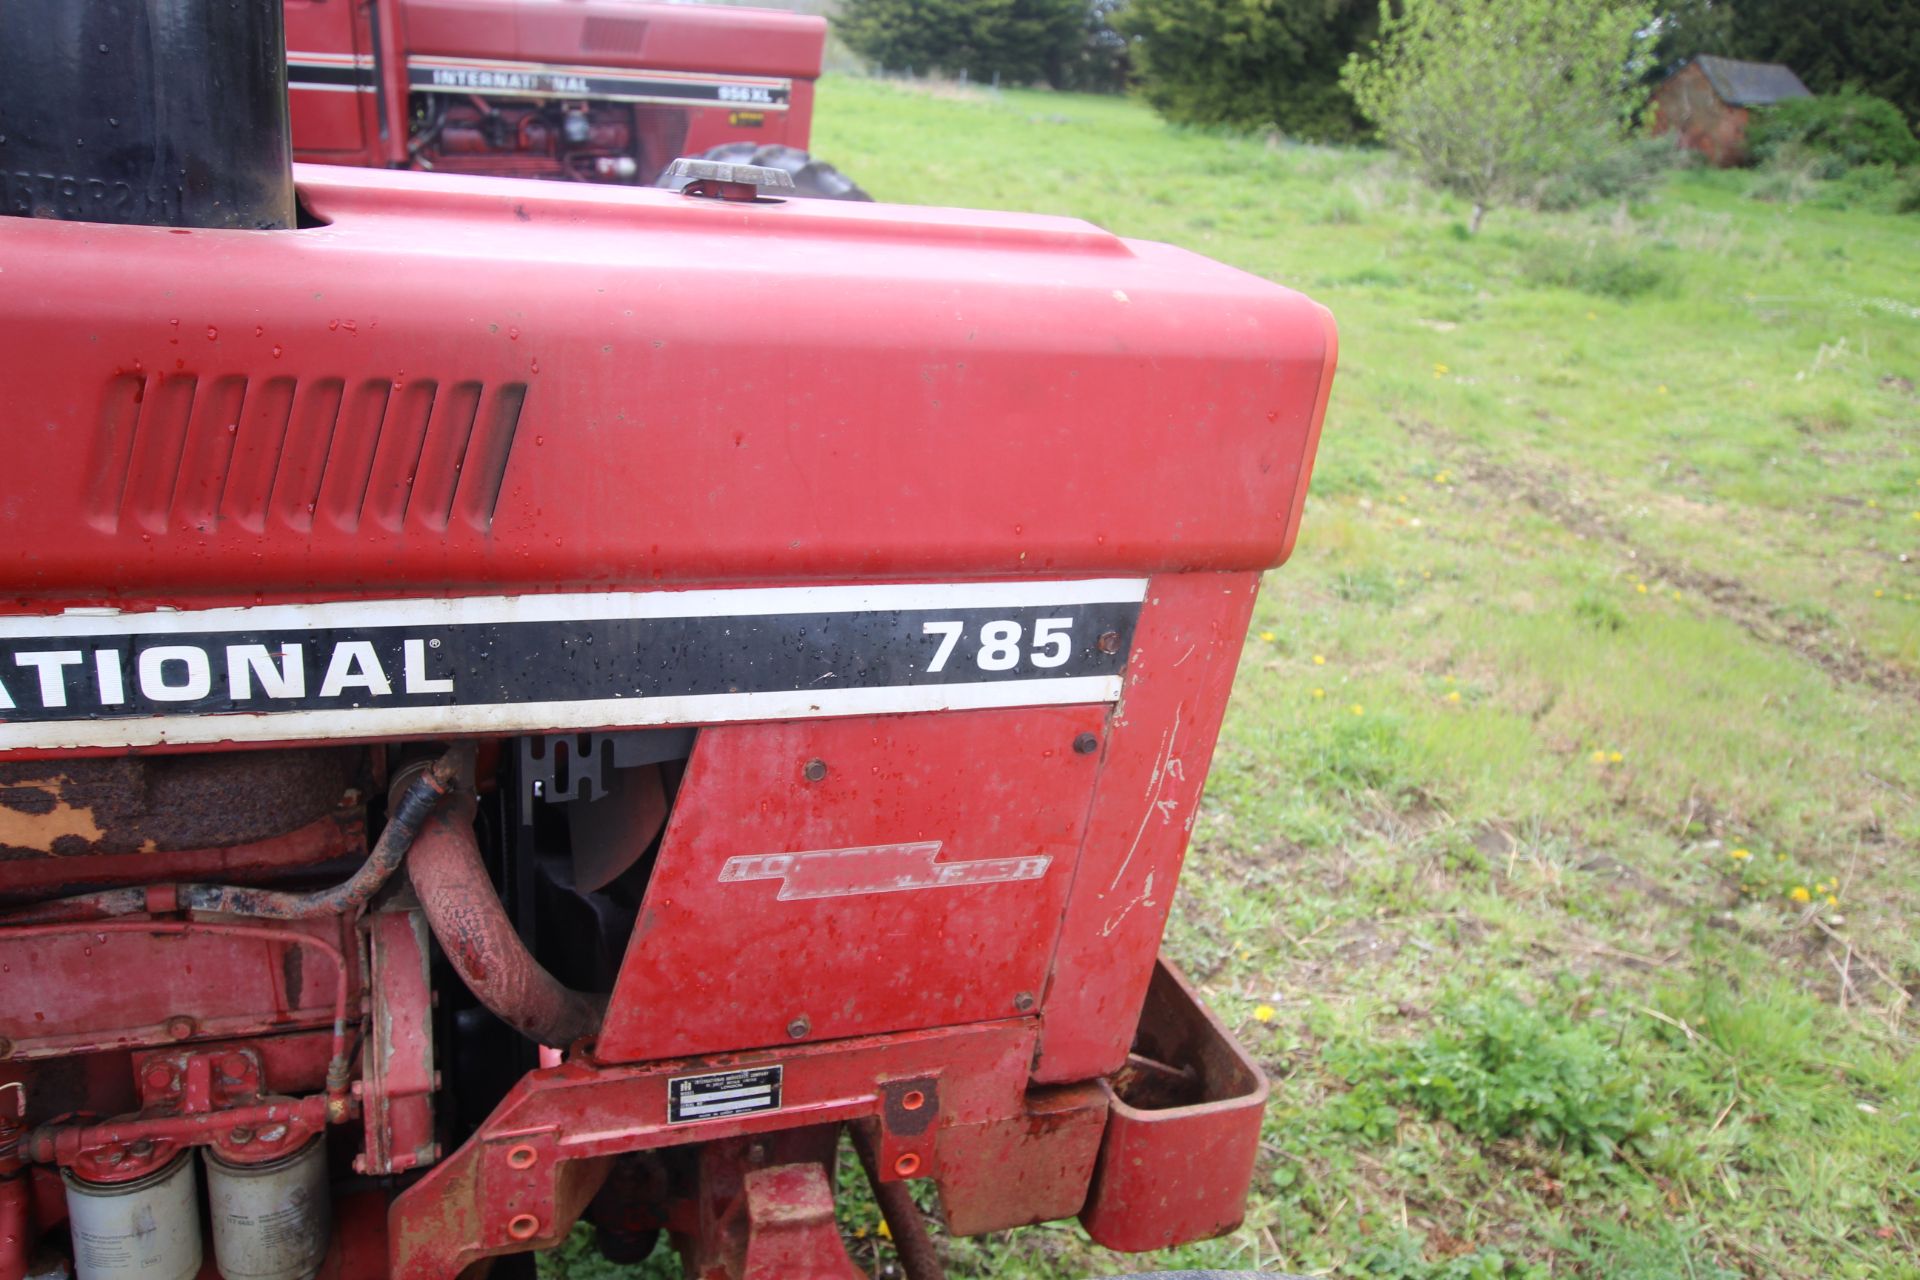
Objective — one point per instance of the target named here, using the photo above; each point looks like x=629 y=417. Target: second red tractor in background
x=604 y=91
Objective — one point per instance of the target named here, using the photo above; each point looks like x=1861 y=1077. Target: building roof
x=1750 y=84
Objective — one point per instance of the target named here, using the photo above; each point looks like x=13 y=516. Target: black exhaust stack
x=164 y=112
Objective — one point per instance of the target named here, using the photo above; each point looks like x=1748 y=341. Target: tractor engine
x=530 y=708
x=578 y=141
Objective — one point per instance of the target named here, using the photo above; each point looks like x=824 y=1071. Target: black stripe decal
x=529 y=81
x=315 y=75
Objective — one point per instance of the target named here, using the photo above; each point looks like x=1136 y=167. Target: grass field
x=1559 y=858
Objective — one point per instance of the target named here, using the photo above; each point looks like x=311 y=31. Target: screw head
x=1109 y=642
x=1085 y=744
x=179 y=1026
x=1024 y=1002
x=814 y=771
x=799 y=1027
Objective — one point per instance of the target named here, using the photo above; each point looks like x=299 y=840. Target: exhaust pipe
x=167 y=113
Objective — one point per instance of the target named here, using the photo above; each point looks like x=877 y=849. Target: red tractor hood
x=460 y=385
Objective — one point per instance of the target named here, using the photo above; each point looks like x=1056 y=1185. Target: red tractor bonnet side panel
x=834 y=878
x=330 y=82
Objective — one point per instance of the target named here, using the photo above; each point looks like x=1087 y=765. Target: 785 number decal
x=1000 y=643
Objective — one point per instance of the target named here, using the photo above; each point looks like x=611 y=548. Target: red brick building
x=1706 y=103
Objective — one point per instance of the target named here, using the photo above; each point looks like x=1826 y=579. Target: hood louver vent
x=180 y=453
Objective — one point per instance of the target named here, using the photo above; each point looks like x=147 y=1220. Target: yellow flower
x=1877 y=593
x=1263 y=1013
x=1832 y=901
x=1738 y=855
x=1319 y=660
x=1678 y=596
x=1800 y=894
x=1267 y=636
x=1872 y=503
x=1593 y=315
x=883 y=1230
x=1357 y=709
x=1441 y=477
x=1598 y=757
x=1641 y=587
x=1439 y=370
x=1319 y=693
x=1662 y=388
x=1454 y=696
x=1614 y=757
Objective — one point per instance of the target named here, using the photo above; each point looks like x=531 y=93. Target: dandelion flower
x=1598 y=757
x=1662 y=388
x=1877 y=593
x=1738 y=855
x=1319 y=693
x=1439 y=370
x=883 y=1230
x=1872 y=502
x=1678 y=596
x=1357 y=709
x=1454 y=696
x=1832 y=901
x=1800 y=894
x=1614 y=757
x=1319 y=659
x=1641 y=587
x=1267 y=636
x=1263 y=1013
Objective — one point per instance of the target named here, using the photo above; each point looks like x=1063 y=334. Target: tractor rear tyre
x=814 y=179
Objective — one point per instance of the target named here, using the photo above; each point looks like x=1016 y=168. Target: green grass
x=1601 y=648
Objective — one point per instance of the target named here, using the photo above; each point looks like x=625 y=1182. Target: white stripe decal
x=583 y=606
x=543 y=717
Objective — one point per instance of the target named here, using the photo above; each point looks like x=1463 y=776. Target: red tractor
x=586 y=90
x=525 y=705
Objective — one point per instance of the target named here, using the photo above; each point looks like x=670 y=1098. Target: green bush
x=1496 y=1067
x=1598 y=267
x=1611 y=169
x=1851 y=129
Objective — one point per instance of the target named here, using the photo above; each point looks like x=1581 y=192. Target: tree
x=1019 y=41
x=1490 y=98
x=1251 y=62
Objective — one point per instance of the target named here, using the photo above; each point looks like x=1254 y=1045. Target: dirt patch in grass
x=1813 y=639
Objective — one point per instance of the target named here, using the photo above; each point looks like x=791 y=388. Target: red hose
x=472 y=928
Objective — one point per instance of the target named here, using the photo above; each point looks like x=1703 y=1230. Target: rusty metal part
x=918 y=1258
x=396 y=1063
x=337 y=1103
x=478 y=938
x=160 y=804
x=417 y=793
x=287 y=1122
